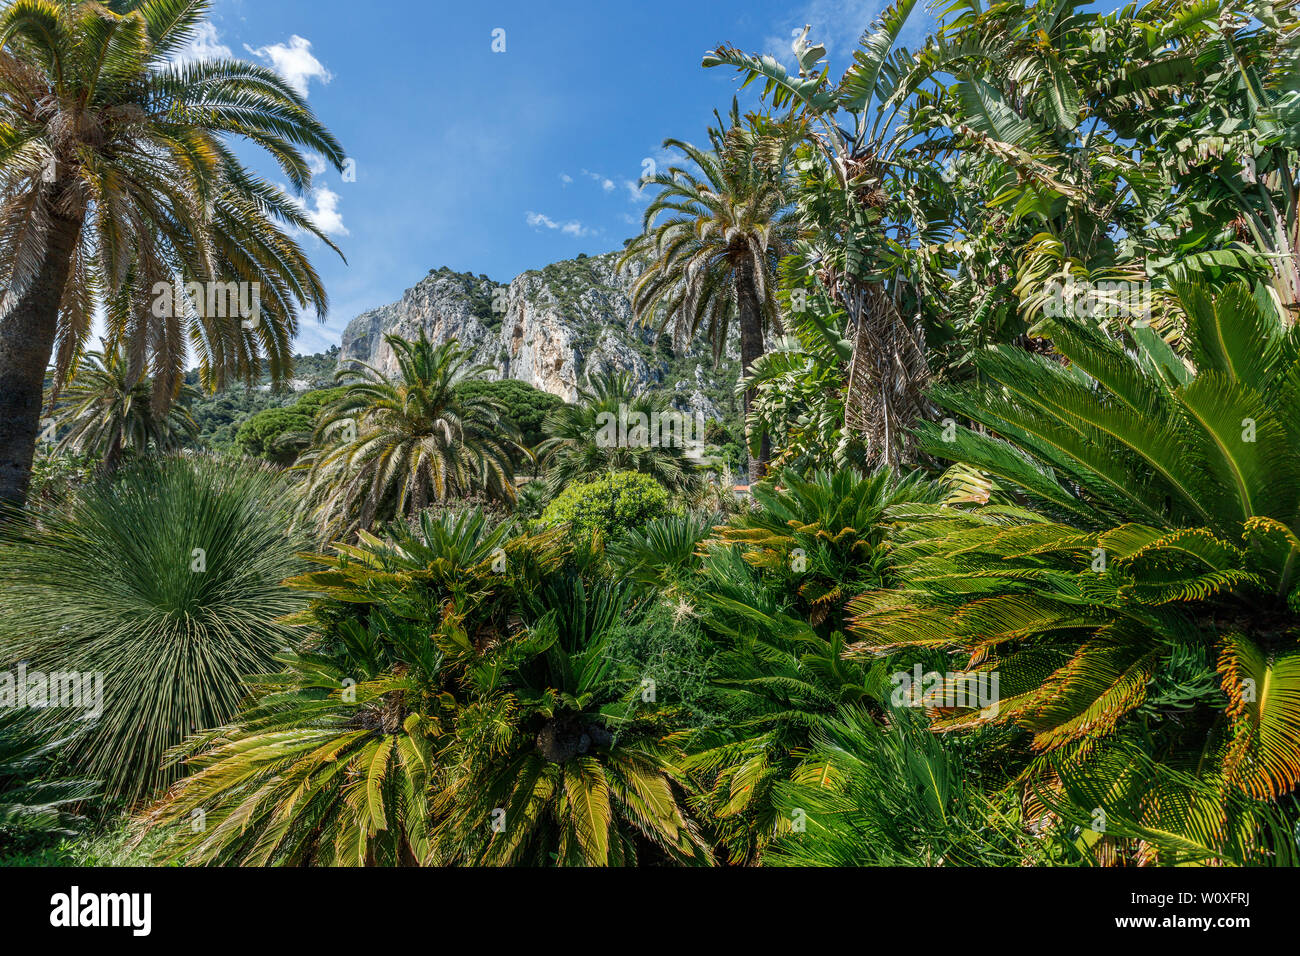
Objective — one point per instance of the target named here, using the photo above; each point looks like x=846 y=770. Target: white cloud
x=326 y=215
x=605 y=182
x=206 y=45
x=316 y=163
x=294 y=61
x=566 y=178
x=571 y=228
x=323 y=209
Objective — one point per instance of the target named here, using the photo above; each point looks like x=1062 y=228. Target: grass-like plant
x=166 y=582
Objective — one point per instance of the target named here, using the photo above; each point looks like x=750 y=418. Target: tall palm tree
x=110 y=413
x=712 y=257
x=859 y=197
x=578 y=445
x=118 y=182
x=388 y=447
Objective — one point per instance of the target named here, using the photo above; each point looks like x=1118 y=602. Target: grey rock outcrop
x=550 y=328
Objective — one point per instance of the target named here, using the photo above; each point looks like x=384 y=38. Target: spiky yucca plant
x=890 y=793
x=167 y=582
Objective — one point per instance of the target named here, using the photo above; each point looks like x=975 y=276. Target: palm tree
x=388 y=447
x=109 y=413
x=119 y=185
x=859 y=199
x=712 y=257
x=598 y=434
x=166 y=583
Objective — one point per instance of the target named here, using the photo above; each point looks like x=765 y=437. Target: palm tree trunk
x=27 y=332
x=751 y=350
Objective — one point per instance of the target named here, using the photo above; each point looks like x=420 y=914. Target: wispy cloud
x=570 y=228
x=206 y=45
x=294 y=61
x=604 y=182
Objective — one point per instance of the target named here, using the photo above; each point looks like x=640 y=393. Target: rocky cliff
x=549 y=328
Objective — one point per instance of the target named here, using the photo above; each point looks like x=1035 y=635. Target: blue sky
x=497 y=162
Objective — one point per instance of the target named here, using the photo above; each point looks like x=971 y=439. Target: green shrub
x=279 y=435
x=522 y=405
x=609 y=505
x=263 y=436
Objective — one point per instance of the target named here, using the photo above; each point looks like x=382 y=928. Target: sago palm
x=389 y=447
x=554 y=764
x=323 y=769
x=119 y=179
x=776 y=679
x=1158 y=597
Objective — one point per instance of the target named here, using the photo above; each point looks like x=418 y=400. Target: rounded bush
x=609 y=505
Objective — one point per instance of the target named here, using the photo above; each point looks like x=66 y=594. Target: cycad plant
x=775 y=679
x=166 y=584
x=109 y=413
x=332 y=765
x=337 y=759
x=1154 y=598
x=390 y=446
x=875 y=792
x=556 y=764
x=819 y=539
x=119 y=179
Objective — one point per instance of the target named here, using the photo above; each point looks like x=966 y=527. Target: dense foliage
x=1015 y=582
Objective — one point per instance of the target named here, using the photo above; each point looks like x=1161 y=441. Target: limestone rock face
x=549 y=328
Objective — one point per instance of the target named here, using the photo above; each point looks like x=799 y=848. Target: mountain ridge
x=551 y=328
